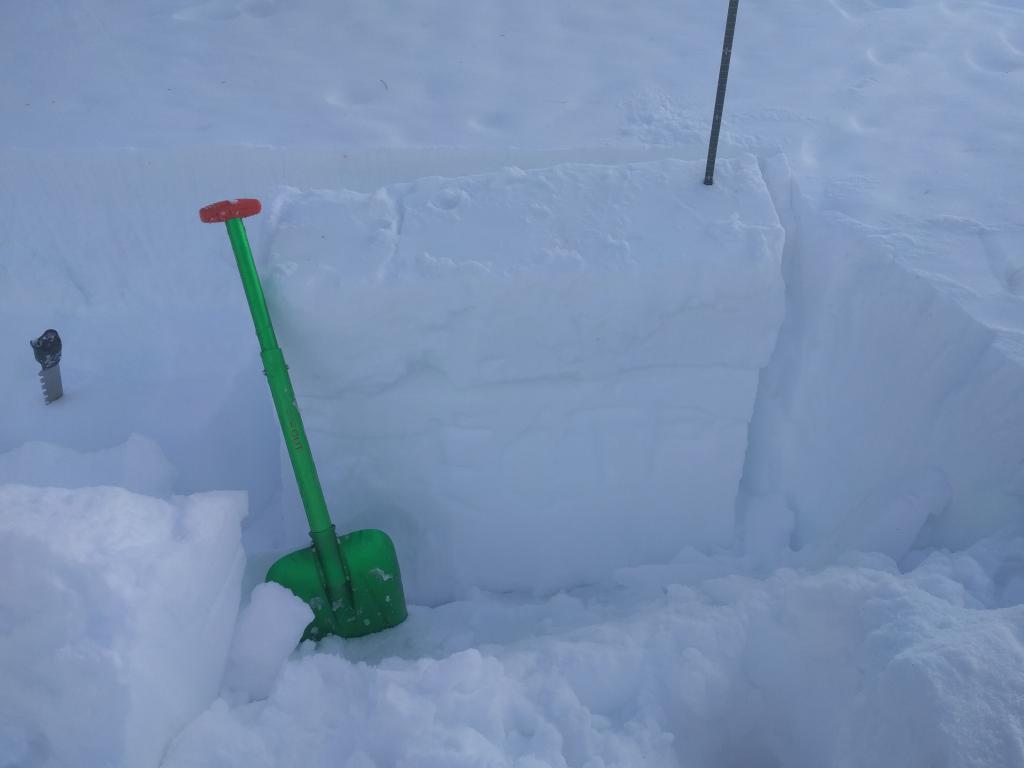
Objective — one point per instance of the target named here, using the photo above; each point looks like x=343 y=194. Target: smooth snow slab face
x=530 y=378
x=689 y=665
x=115 y=617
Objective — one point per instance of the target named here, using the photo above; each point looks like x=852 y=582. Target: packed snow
x=269 y=628
x=678 y=475
x=552 y=362
x=115 y=618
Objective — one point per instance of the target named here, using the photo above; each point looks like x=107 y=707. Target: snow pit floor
x=689 y=664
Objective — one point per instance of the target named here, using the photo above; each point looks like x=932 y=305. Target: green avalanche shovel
x=351 y=582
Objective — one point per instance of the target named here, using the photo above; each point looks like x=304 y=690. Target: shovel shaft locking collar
x=352 y=582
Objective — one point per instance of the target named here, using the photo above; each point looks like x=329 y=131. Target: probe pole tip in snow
x=723 y=76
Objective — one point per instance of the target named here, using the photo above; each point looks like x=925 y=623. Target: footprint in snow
x=1004 y=259
x=223 y=10
x=497 y=120
x=853 y=9
x=1013 y=38
x=887 y=53
x=998 y=57
x=359 y=94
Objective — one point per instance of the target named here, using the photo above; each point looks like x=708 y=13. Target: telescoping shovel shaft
x=351 y=582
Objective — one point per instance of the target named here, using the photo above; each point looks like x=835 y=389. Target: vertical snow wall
x=530 y=378
x=891 y=413
x=535 y=377
x=891 y=394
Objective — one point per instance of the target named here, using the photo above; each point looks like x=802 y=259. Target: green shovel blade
x=373 y=579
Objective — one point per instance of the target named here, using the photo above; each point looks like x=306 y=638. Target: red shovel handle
x=226 y=210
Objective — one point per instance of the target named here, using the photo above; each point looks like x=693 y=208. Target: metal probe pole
x=723 y=76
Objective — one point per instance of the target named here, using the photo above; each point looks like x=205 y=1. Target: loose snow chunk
x=531 y=378
x=116 y=612
x=268 y=630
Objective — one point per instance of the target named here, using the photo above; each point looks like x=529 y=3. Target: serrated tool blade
x=53 y=387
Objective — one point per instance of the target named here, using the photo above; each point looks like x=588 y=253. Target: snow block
x=530 y=378
x=116 y=613
x=269 y=628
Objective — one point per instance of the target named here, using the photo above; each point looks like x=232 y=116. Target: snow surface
x=115 y=617
x=858 y=605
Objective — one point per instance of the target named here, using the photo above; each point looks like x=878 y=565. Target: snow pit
x=888 y=417
x=115 y=617
x=530 y=378
x=579 y=399
x=848 y=666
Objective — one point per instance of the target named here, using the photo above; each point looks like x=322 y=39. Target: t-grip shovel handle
x=226 y=210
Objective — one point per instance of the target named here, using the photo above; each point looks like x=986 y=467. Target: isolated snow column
x=353 y=584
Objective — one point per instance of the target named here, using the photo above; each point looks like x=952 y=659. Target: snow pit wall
x=887 y=419
x=115 y=620
x=157 y=336
x=890 y=417
x=159 y=288
x=530 y=378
